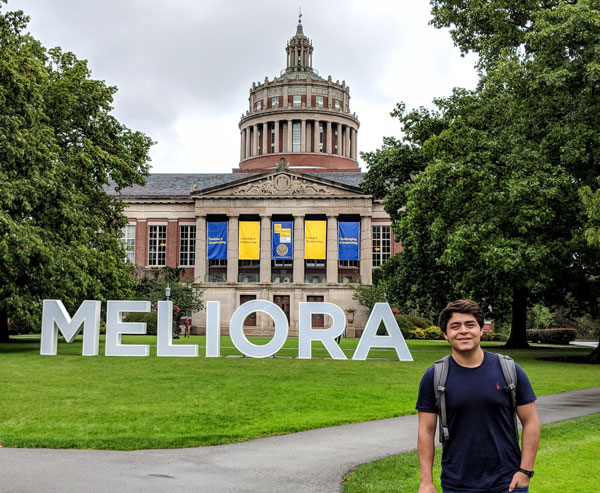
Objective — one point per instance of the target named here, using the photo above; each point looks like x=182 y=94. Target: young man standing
x=482 y=452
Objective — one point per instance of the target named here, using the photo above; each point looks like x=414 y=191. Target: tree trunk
x=518 y=334
x=3 y=325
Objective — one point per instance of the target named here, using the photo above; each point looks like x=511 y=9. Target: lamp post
x=168 y=292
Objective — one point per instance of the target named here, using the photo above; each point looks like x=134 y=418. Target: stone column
x=329 y=149
x=366 y=250
x=242 y=144
x=200 y=267
x=303 y=136
x=332 y=257
x=277 y=149
x=265 y=140
x=248 y=140
x=289 y=136
x=265 y=248
x=340 y=144
x=233 y=248
x=254 y=139
x=347 y=146
x=353 y=144
x=298 y=249
x=316 y=135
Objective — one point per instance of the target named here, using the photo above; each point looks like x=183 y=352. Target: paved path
x=310 y=461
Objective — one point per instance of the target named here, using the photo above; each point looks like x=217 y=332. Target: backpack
x=440 y=375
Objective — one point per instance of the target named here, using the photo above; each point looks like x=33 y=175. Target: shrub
x=490 y=335
x=433 y=332
x=149 y=318
x=417 y=334
x=406 y=326
x=419 y=322
x=552 y=336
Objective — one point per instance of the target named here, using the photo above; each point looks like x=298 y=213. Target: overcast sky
x=184 y=68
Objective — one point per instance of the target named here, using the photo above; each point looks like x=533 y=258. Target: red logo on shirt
x=498 y=386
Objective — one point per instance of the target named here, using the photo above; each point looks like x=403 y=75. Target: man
x=482 y=453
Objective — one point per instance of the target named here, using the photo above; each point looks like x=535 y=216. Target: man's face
x=463 y=332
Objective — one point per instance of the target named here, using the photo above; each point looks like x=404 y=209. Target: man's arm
x=530 y=442
x=426 y=450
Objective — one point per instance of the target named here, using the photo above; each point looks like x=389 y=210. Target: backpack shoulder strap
x=440 y=375
x=507 y=364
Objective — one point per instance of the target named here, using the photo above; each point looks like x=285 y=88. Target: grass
x=567 y=461
x=71 y=401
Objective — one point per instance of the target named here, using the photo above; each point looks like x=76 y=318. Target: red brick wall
x=141 y=242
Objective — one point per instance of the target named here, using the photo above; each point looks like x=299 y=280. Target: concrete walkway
x=310 y=461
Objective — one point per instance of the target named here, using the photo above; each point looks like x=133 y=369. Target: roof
x=176 y=185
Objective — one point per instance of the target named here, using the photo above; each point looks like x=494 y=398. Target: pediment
x=281 y=184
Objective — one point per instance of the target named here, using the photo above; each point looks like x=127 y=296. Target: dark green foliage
x=148 y=318
x=59 y=149
x=421 y=323
x=494 y=185
x=152 y=287
x=552 y=336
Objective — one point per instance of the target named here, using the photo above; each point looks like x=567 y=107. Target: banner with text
x=282 y=239
x=249 y=240
x=216 y=244
x=315 y=234
x=348 y=241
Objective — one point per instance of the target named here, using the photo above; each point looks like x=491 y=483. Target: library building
x=289 y=224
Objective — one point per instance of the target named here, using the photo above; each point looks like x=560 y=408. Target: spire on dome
x=299 y=50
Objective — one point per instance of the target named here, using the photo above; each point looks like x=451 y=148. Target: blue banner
x=348 y=241
x=283 y=239
x=216 y=236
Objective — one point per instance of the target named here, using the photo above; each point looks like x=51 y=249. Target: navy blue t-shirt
x=482 y=454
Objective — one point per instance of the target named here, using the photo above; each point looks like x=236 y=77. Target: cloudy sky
x=183 y=68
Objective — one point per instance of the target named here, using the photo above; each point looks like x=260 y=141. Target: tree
x=152 y=287
x=60 y=148
x=495 y=212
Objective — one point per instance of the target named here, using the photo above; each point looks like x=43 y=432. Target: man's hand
x=519 y=479
x=427 y=488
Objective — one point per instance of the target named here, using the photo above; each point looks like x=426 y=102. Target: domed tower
x=300 y=117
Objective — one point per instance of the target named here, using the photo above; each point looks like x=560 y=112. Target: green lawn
x=567 y=461
x=70 y=401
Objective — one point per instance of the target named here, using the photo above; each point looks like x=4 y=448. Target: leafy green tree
x=495 y=213
x=59 y=150
x=152 y=287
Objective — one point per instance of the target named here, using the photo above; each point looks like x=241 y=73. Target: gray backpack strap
x=440 y=375
x=510 y=375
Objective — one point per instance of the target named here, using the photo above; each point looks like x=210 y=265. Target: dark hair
x=460 y=306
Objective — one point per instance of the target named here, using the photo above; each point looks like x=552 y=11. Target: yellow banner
x=314 y=239
x=249 y=240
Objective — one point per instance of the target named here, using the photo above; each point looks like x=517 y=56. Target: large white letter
x=164 y=340
x=382 y=312
x=55 y=318
x=236 y=329
x=213 y=329
x=307 y=334
x=115 y=327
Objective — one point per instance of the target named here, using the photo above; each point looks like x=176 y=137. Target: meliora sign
x=55 y=318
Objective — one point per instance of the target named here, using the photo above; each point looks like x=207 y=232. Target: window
x=273 y=137
x=312 y=262
x=296 y=137
x=336 y=104
x=314 y=90
x=382 y=244
x=320 y=91
x=128 y=240
x=258 y=141
x=319 y=101
x=259 y=105
x=157 y=245
x=218 y=262
x=275 y=101
x=349 y=263
x=187 y=245
x=297 y=101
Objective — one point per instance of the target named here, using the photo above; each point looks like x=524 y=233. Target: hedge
x=552 y=336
